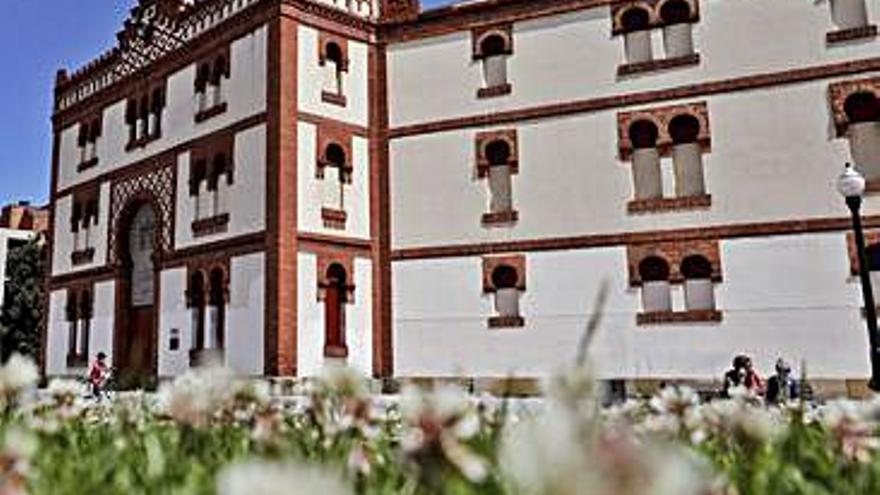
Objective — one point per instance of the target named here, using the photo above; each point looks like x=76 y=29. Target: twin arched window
x=209 y=86
x=696 y=272
x=683 y=133
x=674 y=16
x=207 y=301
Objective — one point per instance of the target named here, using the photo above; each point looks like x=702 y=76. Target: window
x=637 y=21
x=79 y=320
x=504 y=280
x=663 y=271
x=210 y=92
x=87 y=141
x=334 y=312
x=679 y=134
x=207 y=299
x=333 y=59
x=850 y=18
x=497 y=163
x=492 y=47
x=143 y=116
x=335 y=170
x=83 y=224
x=863 y=113
x=211 y=177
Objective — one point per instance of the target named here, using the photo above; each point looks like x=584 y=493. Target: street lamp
x=851 y=185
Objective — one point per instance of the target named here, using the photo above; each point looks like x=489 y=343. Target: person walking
x=99 y=375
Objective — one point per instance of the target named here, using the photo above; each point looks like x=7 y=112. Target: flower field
x=209 y=432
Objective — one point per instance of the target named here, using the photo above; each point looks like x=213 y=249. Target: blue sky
x=37 y=37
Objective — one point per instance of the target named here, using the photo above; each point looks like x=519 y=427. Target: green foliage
x=23 y=304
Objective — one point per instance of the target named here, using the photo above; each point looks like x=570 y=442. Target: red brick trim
x=336 y=352
x=334 y=99
x=840 y=91
x=693 y=316
x=660 y=205
x=674 y=252
x=324 y=40
x=871 y=237
x=662 y=117
x=315 y=243
x=619 y=8
x=484 y=139
x=515 y=261
x=656 y=65
x=852 y=34
x=333 y=218
x=500 y=218
x=207 y=264
x=82 y=257
x=706 y=232
x=494 y=91
x=499 y=322
x=726 y=86
x=210 y=113
x=322 y=121
x=329 y=132
x=211 y=226
x=480 y=33
x=326 y=259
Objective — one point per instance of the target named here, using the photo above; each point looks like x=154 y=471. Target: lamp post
x=851 y=185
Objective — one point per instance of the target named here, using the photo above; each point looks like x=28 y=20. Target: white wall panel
x=245 y=334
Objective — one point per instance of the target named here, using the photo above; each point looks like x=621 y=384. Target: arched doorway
x=136 y=306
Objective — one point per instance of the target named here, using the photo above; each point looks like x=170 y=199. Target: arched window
x=687 y=156
x=505 y=279
x=217 y=313
x=221 y=174
x=636 y=24
x=335 y=175
x=498 y=155
x=656 y=293
x=849 y=14
x=699 y=293
x=220 y=72
x=647 y=178
x=863 y=112
x=203 y=77
x=335 y=66
x=677 y=29
x=144 y=118
x=334 y=311
x=494 y=51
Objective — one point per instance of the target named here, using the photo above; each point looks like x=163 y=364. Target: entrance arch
x=136 y=352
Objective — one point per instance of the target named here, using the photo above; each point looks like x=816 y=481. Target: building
x=19 y=223
x=444 y=193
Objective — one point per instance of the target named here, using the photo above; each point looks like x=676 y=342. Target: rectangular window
x=850 y=19
x=79 y=318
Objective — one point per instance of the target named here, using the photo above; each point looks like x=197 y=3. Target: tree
x=23 y=301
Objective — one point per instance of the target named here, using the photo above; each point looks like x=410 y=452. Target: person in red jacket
x=98 y=375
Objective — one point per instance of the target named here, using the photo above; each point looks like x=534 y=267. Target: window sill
x=77 y=361
x=658 y=65
x=495 y=91
x=336 y=352
x=334 y=99
x=82 y=257
x=211 y=112
x=334 y=219
x=142 y=142
x=500 y=218
x=695 y=316
x=209 y=226
x=659 y=205
x=206 y=357
x=498 y=322
x=852 y=34
x=82 y=167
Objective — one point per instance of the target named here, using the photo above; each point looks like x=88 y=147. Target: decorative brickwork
x=841 y=91
x=156 y=186
x=400 y=10
x=205 y=265
x=624 y=70
x=852 y=34
x=325 y=40
x=340 y=135
x=673 y=253
x=515 y=261
x=484 y=139
x=480 y=34
x=661 y=117
x=652 y=8
x=217 y=224
x=694 y=316
x=328 y=258
x=658 y=205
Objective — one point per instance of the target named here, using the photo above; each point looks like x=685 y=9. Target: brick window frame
x=326 y=258
x=850 y=34
x=838 y=94
x=655 y=21
x=85 y=213
x=481 y=142
x=674 y=253
x=211 y=70
x=871 y=237
x=153 y=94
x=206 y=266
x=478 y=36
x=330 y=133
x=90 y=130
x=490 y=263
x=661 y=118
x=325 y=39
x=217 y=157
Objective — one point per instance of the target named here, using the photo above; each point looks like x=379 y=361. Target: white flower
x=196 y=396
x=18 y=374
x=257 y=478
